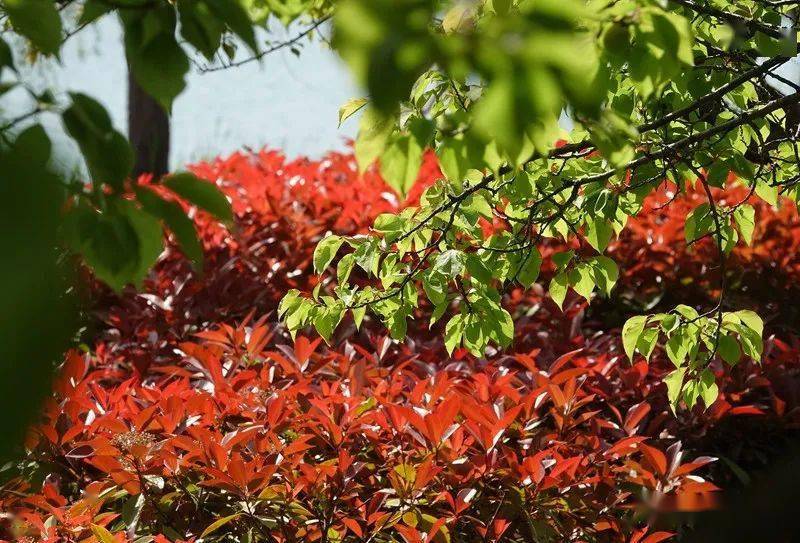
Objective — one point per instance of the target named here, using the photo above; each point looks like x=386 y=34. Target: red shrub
x=195 y=417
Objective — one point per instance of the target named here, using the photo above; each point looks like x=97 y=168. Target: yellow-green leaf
x=631 y=332
x=102 y=534
x=217 y=524
x=350 y=108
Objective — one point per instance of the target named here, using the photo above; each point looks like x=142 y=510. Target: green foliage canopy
x=120 y=238
x=115 y=226
x=655 y=90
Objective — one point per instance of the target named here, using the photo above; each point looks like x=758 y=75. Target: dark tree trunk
x=148 y=131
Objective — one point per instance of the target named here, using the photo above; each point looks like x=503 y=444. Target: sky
x=281 y=102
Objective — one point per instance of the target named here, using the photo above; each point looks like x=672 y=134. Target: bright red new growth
x=195 y=416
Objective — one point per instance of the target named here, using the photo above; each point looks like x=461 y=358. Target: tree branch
x=274 y=48
x=751 y=24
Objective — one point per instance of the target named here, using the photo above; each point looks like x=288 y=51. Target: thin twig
x=274 y=48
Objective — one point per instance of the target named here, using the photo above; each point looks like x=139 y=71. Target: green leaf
x=397 y=325
x=751 y=320
x=582 y=280
x=108 y=154
x=475 y=335
x=37 y=20
x=39 y=312
x=358 y=316
x=707 y=387
x=498 y=7
x=647 y=342
x=102 y=534
x=435 y=288
x=768 y=46
x=149 y=236
x=453 y=332
x=508 y=107
x=718 y=173
x=562 y=259
x=93 y=10
x=616 y=39
x=367 y=256
x=661 y=49
x=298 y=314
x=350 y=108
x=374 y=130
x=614 y=137
x=606 y=273
x=751 y=341
x=729 y=349
x=401 y=161
x=478 y=270
x=326 y=320
x=325 y=252
x=459 y=18
x=203 y=194
x=344 y=268
x=390 y=225
x=674 y=382
x=156 y=60
x=504 y=327
x=386 y=43
x=691 y=391
x=599 y=233
x=476 y=204
x=436 y=314
x=688 y=312
x=450 y=263
x=457 y=155
x=217 y=524
x=745 y=217
x=677 y=348
x=699 y=222
x=291 y=300
x=767 y=193
x=407 y=471
x=235 y=16
x=631 y=332
x=529 y=270
x=176 y=220
x=119 y=245
x=558 y=288
x=132 y=511
x=684 y=39
x=200 y=27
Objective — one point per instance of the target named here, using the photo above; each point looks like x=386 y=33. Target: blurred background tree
x=115 y=226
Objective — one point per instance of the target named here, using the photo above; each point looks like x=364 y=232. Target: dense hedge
x=193 y=415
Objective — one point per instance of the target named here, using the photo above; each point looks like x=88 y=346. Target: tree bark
x=148 y=131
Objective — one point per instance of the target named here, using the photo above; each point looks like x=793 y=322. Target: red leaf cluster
x=195 y=417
